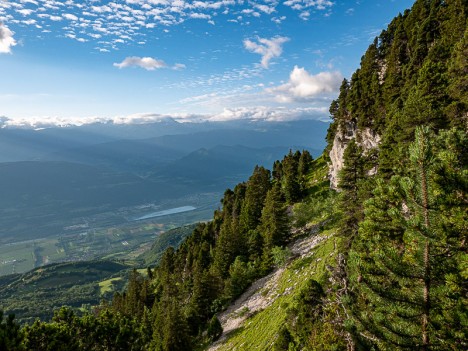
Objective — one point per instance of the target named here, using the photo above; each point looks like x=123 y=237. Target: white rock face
x=366 y=138
x=336 y=153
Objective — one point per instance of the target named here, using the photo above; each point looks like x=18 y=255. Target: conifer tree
x=349 y=179
x=175 y=336
x=277 y=172
x=10 y=338
x=274 y=223
x=305 y=162
x=214 y=329
x=255 y=194
x=401 y=259
x=290 y=180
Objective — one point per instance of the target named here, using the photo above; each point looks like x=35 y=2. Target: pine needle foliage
x=402 y=257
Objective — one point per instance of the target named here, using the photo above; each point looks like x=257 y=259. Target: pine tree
x=175 y=335
x=214 y=329
x=10 y=337
x=274 y=225
x=350 y=177
x=305 y=161
x=401 y=259
x=255 y=194
x=458 y=84
x=290 y=181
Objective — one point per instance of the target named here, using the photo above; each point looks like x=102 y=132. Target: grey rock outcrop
x=366 y=138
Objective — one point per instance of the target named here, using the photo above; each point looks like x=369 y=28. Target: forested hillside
x=405 y=228
x=391 y=273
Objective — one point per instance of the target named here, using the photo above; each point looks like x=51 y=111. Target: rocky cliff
x=365 y=138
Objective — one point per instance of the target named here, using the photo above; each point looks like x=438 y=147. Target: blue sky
x=137 y=60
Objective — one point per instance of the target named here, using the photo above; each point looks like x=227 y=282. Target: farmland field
x=112 y=235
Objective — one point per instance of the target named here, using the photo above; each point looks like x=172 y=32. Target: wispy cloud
x=304 y=4
x=179 y=66
x=128 y=20
x=303 y=86
x=6 y=39
x=268 y=48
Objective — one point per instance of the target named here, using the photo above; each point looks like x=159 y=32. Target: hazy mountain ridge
x=63 y=175
x=29 y=144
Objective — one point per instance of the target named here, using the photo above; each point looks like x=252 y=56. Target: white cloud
x=25 y=12
x=70 y=17
x=303 y=4
x=268 y=48
x=302 y=86
x=200 y=16
x=305 y=15
x=148 y=63
x=6 y=39
x=55 y=18
x=265 y=8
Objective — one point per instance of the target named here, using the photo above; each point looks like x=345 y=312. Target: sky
x=133 y=61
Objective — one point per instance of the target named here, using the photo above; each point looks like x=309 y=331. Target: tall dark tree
x=257 y=187
x=290 y=181
x=274 y=225
x=10 y=337
x=350 y=178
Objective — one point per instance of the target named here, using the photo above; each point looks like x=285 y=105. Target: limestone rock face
x=366 y=138
x=342 y=138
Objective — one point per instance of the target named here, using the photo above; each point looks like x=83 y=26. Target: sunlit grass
x=261 y=330
x=108 y=285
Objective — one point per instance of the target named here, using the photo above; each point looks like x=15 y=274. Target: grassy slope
x=261 y=330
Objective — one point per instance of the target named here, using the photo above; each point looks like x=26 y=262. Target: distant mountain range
x=50 y=176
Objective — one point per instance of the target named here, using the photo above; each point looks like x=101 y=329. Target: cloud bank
x=255 y=113
x=6 y=39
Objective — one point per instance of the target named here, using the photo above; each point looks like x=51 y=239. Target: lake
x=166 y=212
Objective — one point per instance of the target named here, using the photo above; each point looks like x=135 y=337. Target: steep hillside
x=398 y=147
x=414 y=73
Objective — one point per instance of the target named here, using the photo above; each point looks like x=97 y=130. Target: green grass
x=320 y=202
x=107 y=286
x=317 y=179
x=260 y=331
